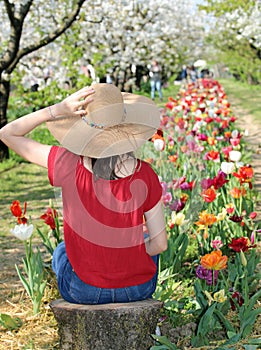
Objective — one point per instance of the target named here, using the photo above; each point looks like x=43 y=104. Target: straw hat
x=115 y=123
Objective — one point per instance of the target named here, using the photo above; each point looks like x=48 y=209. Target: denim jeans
x=74 y=290
x=155 y=85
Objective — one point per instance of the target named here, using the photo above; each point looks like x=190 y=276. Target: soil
x=40 y=331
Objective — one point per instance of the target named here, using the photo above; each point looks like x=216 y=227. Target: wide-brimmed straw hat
x=115 y=123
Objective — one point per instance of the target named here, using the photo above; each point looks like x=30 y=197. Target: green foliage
x=165 y=343
x=33 y=276
x=52 y=237
x=10 y=323
x=221 y=7
x=239 y=56
x=238 y=53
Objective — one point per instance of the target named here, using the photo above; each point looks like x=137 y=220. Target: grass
x=244 y=96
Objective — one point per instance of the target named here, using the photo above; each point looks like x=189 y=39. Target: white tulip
x=159 y=144
x=22 y=231
x=234 y=134
x=227 y=167
x=235 y=156
x=239 y=164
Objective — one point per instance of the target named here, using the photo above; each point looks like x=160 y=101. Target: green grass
x=247 y=97
x=169 y=90
x=27 y=183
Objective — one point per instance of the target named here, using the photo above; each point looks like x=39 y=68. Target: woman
x=106 y=191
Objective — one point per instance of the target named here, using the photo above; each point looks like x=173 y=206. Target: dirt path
x=247 y=123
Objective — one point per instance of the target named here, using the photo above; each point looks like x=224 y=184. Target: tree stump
x=107 y=326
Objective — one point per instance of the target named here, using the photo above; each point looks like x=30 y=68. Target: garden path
x=246 y=121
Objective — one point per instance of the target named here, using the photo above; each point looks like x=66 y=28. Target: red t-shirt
x=103 y=220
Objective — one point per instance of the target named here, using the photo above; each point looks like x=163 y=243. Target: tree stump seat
x=116 y=326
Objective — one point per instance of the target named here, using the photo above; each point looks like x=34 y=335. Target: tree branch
x=10 y=10
x=48 y=38
x=16 y=24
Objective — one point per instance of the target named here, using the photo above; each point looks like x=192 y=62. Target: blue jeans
x=155 y=85
x=74 y=290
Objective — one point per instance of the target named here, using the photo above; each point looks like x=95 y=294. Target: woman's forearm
x=25 y=124
x=13 y=134
x=72 y=105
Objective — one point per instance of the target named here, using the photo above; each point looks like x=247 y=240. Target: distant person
x=155 y=79
x=193 y=74
x=184 y=73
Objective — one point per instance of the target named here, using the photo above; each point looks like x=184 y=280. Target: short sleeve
x=154 y=188
x=61 y=164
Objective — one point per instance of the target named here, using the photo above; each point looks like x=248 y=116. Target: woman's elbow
x=164 y=246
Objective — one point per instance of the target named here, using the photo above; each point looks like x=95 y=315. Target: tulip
x=243 y=258
x=22 y=231
x=234 y=142
x=177 y=218
x=217 y=243
x=49 y=217
x=253 y=215
x=253 y=237
x=220 y=296
x=227 y=167
x=235 y=156
x=159 y=145
x=209 y=195
x=207 y=274
x=235 y=134
x=239 y=244
x=214 y=260
x=230 y=208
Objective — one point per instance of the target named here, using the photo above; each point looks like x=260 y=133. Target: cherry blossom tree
x=237 y=36
x=117 y=34
x=26 y=26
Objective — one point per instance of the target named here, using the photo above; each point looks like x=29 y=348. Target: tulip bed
x=212 y=225
x=209 y=277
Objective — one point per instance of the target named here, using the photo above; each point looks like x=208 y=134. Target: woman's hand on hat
x=75 y=104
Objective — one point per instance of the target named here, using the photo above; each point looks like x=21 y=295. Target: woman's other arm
x=157 y=240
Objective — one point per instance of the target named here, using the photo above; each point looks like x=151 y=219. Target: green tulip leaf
x=10 y=322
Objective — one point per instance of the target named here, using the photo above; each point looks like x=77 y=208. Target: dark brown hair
x=105 y=167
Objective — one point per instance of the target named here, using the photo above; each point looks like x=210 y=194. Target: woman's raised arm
x=13 y=134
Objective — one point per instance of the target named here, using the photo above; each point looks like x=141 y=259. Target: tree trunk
x=4 y=96
x=107 y=326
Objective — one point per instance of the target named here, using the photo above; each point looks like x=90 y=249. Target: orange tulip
x=173 y=158
x=237 y=192
x=206 y=219
x=214 y=260
x=227 y=134
x=211 y=141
